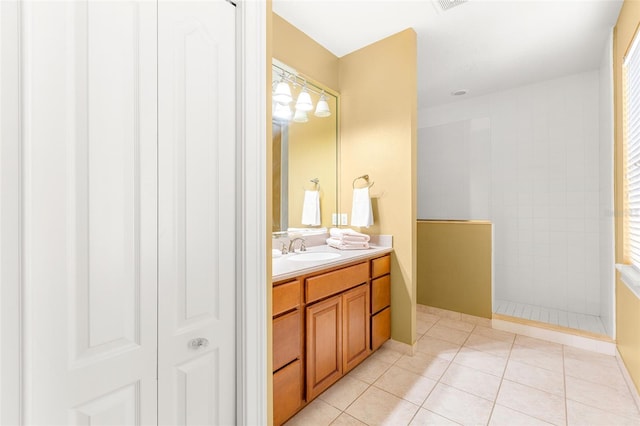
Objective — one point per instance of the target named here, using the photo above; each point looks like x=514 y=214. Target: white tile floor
x=465 y=372
x=591 y=323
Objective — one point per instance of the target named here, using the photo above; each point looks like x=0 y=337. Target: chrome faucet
x=292 y=245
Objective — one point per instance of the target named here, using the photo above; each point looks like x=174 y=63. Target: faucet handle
x=283 y=248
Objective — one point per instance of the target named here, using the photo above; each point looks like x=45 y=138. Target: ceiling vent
x=449 y=4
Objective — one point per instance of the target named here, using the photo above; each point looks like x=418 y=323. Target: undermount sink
x=306 y=257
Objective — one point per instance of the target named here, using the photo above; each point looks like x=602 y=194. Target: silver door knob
x=198 y=343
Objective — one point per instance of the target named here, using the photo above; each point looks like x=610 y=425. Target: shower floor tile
x=589 y=323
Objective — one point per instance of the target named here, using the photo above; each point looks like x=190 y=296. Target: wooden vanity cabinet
x=288 y=363
x=324 y=325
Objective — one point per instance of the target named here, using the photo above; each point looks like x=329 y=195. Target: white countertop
x=285 y=268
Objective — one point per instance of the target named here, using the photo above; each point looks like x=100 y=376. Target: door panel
x=197 y=386
x=115 y=408
x=90 y=161
x=196 y=86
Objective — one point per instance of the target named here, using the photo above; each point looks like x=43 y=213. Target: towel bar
x=366 y=178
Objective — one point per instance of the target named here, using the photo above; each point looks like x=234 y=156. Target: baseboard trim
x=403 y=348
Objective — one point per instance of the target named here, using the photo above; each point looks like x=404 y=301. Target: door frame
x=251 y=327
x=251 y=238
x=11 y=234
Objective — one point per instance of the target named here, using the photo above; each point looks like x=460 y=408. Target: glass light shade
x=304 y=101
x=282 y=95
x=282 y=112
x=322 y=109
x=300 y=116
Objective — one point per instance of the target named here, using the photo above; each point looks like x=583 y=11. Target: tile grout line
x=444 y=372
x=427 y=397
x=495 y=399
x=564 y=387
x=369 y=385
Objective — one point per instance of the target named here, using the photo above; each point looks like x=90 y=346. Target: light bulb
x=322 y=109
x=300 y=116
x=304 y=101
x=282 y=95
x=282 y=112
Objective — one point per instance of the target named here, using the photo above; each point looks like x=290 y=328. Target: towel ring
x=315 y=181
x=366 y=178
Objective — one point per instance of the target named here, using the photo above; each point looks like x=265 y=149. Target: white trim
x=630 y=277
x=10 y=213
x=252 y=279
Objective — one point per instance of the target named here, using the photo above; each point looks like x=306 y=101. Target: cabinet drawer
x=337 y=281
x=380 y=266
x=286 y=296
x=380 y=293
x=287 y=392
x=380 y=328
x=287 y=339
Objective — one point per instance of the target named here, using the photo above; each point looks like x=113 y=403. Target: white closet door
x=90 y=212
x=197 y=225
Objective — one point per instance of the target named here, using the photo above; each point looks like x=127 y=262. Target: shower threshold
x=591 y=324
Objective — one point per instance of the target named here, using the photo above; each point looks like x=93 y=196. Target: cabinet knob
x=198 y=343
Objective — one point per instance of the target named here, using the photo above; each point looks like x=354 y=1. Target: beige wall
x=627 y=305
x=378 y=99
x=454 y=266
x=298 y=50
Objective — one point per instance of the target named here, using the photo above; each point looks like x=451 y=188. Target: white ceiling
x=482 y=46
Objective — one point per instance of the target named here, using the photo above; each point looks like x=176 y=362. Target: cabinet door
x=355 y=326
x=324 y=345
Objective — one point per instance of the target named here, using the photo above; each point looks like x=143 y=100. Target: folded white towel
x=361 y=210
x=311 y=208
x=348 y=235
x=339 y=244
x=322 y=230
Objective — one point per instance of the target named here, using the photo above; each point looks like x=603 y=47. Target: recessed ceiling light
x=459 y=92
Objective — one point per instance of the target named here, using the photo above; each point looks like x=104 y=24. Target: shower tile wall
x=545 y=189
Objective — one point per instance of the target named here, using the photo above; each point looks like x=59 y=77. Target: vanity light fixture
x=282 y=95
x=322 y=109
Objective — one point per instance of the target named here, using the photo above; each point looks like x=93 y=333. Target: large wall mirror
x=305 y=152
